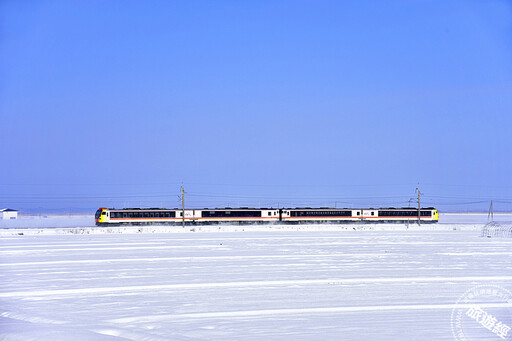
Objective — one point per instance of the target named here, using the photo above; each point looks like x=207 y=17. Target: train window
x=358 y=213
x=269 y=213
x=373 y=213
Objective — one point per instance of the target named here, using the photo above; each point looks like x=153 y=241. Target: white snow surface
x=84 y=224
x=243 y=283
x=48 y=221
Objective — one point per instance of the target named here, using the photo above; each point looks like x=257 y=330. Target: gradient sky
x=255 y=103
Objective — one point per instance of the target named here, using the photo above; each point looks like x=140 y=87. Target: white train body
x=138 y=216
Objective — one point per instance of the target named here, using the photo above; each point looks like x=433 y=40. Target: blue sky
x=249 y=103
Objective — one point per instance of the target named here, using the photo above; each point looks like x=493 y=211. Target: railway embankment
x=84 y=224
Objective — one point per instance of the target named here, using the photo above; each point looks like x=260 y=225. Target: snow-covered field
x=231 y=284
x=49 y=221
x=84 y=224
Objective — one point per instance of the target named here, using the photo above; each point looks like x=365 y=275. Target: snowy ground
x=68 y=280
x=49 y=221
x=292 y=285
x=63 y=221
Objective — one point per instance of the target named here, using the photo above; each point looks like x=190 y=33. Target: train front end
x=101 y=216
x=435 y=216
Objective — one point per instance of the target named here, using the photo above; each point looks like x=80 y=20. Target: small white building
x=8 y=213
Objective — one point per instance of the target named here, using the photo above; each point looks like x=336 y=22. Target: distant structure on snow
x=8 y=213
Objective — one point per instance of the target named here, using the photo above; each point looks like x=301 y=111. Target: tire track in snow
x=217 y=246
x=476 y=253
x=199 y=258
x=323 y=310
x=46 y=246
x=6 y=249
x=330 y=281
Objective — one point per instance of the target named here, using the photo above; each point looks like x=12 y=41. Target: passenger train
x=244 y=215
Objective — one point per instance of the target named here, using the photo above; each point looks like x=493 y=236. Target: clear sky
x=255 y=103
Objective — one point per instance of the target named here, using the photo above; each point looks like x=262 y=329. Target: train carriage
x=241 y=215
x=139 y=216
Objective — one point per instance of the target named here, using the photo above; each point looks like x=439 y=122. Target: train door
x=284 y=214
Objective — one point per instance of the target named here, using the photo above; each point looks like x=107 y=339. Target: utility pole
x=182 y=206
x=408 y=218
x=419 y=204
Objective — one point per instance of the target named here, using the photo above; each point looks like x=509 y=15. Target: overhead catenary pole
x=182 y=206
x=419 y=205
x=409 y=207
